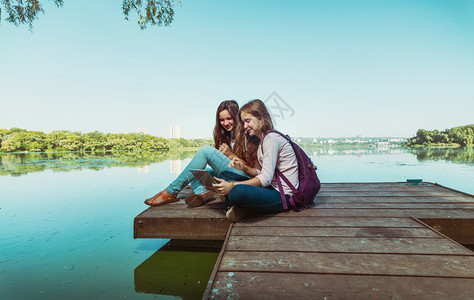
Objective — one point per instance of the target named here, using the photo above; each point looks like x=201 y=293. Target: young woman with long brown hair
x=217 y=157
x=260 y=193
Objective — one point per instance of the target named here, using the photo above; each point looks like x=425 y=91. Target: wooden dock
x=362 y=240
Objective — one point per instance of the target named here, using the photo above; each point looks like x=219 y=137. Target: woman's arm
x=242 y=166
x=225 y=149
x=271 y=145
x=224 y=187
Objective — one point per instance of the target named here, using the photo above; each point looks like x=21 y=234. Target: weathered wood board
x=404 y=259
x=449 y=211
x=359 y=242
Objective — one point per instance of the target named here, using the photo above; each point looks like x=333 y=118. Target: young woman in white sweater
x=226 y=147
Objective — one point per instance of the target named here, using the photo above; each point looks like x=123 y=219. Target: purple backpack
x=309 y=183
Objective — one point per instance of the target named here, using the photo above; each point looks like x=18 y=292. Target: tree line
x=456 y=136
x=20 y=140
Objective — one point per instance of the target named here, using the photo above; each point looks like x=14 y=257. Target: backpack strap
x=280 y=175
x=282 y=194
x=276 y=131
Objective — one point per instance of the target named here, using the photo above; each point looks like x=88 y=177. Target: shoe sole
x=194 y=200
x=235 y=215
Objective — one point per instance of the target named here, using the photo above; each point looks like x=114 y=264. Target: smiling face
x=226 y=120
x=252 y=124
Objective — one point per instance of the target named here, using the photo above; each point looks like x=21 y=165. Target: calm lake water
x=67 y=219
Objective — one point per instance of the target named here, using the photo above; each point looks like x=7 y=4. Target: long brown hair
x=222 y=136
x=249 y=149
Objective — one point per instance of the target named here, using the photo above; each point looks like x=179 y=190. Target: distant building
x=396 y=140
x=175 y=131
x=142 y=129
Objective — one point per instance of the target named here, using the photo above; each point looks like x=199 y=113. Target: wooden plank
x=298 y=219
x=363 y=186
x=418 y=199
x=388 y=212
x=375 y=193
x=335 y=231
x=345 y=245
x=178 y=221
x=460 y=230
x=390 y=205
x=374 y=185
x=344 y=263
x=385 y=187
x=213 y=209
x=250 y=285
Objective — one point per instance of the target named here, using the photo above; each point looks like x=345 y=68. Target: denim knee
x=206 y=150
x=232 y=174
x=235 y=196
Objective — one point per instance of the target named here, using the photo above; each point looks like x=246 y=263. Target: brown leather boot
x=195 y=200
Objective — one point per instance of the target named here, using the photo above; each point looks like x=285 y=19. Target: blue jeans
x=261 y=200
x=207 y=155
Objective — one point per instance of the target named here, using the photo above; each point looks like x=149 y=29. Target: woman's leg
x=207 y=155
x=260 y=200
x=199 y=162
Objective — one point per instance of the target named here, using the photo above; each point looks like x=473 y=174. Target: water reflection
x=457 y=155
x=143 y=170
x=24 y=163
x=179 y=269
x=175 y=167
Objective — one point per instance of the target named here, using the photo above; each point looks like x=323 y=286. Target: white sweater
x=276 y=152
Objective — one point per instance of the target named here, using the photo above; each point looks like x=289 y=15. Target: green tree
x=17 y=139
x=153 y=12
x=3 y=135
x=53 y=139
x=150 y=12
x=462 y=135
x=72 y=142
x=34 y=141
x=10 y=144
x=15 y=129
x=94 y=141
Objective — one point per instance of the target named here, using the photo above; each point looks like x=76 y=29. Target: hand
x=223 y=187
x=225 y=149
x=236 y=163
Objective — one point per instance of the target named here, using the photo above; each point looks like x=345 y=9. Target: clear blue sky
x=346 y=68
